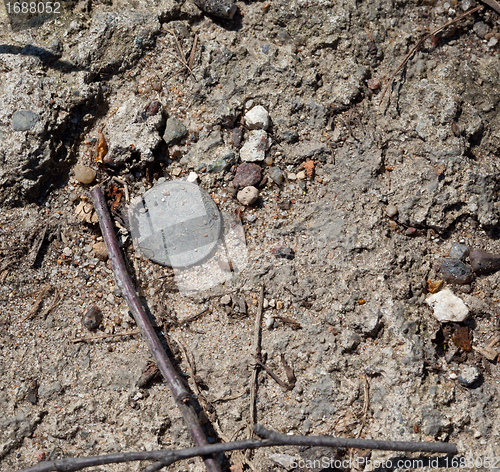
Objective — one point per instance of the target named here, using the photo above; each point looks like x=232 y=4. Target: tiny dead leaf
x=116 y=193
x=461 y=338
x=85 y=212
x=433 y=287
x=102 y=147
x=309 y=168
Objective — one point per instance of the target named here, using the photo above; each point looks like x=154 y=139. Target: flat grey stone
x=174 y=131
x=24 y=120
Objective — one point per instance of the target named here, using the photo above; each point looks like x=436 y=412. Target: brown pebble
x=247 y=175
x=411 y=231
x=100 y=250
x=93 y=318
x=373 y=84
x=483 y=262
x=84 y=174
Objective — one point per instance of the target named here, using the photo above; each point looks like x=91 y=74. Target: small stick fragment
x=35 y=248
x=290 y=375
x=257 y=348
x=425 y=38
x=54 y=303
x=295 y=325
x=38 y=303
x=190 y=319
x=104 y=336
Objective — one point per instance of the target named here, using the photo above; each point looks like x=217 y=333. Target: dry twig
x=257 y=348
x=124 y=283
x=104 y=336
x=270 y=438
x=422 y=41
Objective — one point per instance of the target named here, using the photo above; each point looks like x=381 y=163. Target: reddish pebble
x=40 y=455
x=99 y=294
x=373 y=84
x=411 y=231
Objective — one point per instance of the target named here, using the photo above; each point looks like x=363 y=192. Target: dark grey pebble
x=24 y=120
x=483 y=262
x=220 y=8
x=174 y=131
x=283 y=252
x=276 y=175
x=454 y=271
x=469 y=375
x=236 y=136
x=92 y=319
x=458 y=251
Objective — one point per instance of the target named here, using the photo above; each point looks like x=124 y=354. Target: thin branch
x=257 y=338
x=422 y=41
x=104 y=336
x=124 y=283
x=270 y=438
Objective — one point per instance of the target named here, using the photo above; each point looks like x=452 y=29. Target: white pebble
x=257 y=118
x=192 y=177
x=269 y=321
x=248 y=195
x=255 y=147
x=67 y=252
x=447 y=306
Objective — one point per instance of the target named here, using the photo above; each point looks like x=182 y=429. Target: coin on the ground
x=175 y=223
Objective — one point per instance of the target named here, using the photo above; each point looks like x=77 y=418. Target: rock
x=67 y=252
x=192 y=177
x=24 y=120
x=301 y=175
x=220 y=8
x=248 y=195
x=349 y=341
x=257 y=118
x=276 y=175
x=133 y=132
x=236 y=136
x=454 y=271
x=481 y=29
x=447 y=306
x=174 y=131
x=255 y=147
x=115 y=40
x=225 y=300
x=391 y=211
x=458 y=251
x=283 y=252
x=84 y=174
x=483 y=262
x=92 y=318
x=100 y=250
x=247 y=175
x=469 y=375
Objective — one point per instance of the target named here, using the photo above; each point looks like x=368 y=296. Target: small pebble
x=67 y=252
x=248 y=195
x=483 y=262
x=100 y=250
x=247 y=175
x=151 y=109
x=40 y=455
x=301 y=175
x=468 y=375
x=411 y=231
x=174 y=131
x=236 y=136
x=257 y=118
x=192 y=177
x=391 y=211
x=447 y=306
x=255 y=147
x=225 y=300
x=269 y=321
x=24 y=120
x=84 y=174
x=221 y=8
x=373 y=84
x=276 y=175
x=283 y=252
x=458 y=251
x=93 y=318
x=454 y=271
x=292 y=176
